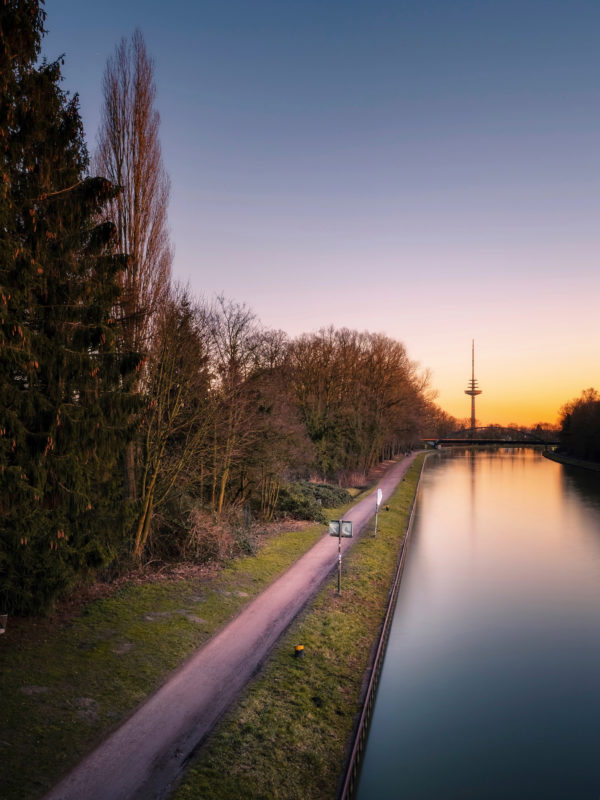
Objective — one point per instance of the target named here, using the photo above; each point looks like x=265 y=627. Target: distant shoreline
x=572 y=462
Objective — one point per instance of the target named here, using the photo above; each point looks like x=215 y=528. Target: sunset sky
x=424 y=168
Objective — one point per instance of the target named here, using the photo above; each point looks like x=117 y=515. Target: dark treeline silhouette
x=580 y=427
x=135 y=418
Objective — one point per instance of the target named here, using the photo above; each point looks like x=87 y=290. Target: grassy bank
x=64 y=687
x=287 y=738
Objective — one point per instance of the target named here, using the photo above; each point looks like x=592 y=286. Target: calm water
x=491 y=683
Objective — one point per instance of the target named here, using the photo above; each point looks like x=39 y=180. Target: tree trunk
x=224 y=477
x=143 y=527
x=130 y=478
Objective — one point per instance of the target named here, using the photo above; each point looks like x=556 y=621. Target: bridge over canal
x=494 y=434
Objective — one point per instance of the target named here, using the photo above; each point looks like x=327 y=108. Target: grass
x=63 y=689
x=288 y=737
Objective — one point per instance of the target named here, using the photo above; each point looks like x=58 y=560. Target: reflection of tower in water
x=472 y=505
x=473 y=390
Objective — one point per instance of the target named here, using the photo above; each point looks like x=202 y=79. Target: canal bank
x=572 y=462
x=146 y=755
x=289 y=735
x=55 y=688
x=359 y=738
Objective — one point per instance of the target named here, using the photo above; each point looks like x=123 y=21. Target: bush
x=330 y=496
x=211 y=538
x=304 y=500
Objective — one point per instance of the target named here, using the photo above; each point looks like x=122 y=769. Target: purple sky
x=425 y=169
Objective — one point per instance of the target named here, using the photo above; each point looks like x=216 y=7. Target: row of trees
x=580 y=426
x=233 y=410
x=126 y=404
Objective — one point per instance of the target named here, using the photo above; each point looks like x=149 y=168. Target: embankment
x=293 y=729
x=572 y=462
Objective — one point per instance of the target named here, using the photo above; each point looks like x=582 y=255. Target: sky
x=428 y=169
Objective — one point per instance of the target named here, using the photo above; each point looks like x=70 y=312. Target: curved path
x=143 y=757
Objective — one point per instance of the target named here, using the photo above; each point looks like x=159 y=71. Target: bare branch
x=129 y=155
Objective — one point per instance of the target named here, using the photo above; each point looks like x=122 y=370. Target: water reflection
x=490 y=687
x=584 y=482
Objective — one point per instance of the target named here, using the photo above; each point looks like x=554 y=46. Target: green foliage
x=62 y=408
x=305 y=500
x=329 y=496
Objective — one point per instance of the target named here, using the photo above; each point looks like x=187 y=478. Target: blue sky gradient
x=429 y=169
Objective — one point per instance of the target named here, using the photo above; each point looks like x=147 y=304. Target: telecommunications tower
x=473 y=389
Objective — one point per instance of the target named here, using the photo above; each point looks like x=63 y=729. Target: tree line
x=580 y=426
x=132 y=412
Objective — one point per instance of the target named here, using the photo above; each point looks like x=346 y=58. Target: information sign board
x=344 y=524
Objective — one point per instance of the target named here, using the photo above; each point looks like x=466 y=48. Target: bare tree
x=235 y=337
x=129 y=155
x=360 y=396
x=178 y=419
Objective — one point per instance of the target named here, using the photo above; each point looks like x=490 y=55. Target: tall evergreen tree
x=63 y=404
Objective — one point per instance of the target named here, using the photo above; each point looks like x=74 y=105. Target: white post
x=340 y=559
x=377 y=503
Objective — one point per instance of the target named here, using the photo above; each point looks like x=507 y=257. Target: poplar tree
x=129 y=154
x=63 y=408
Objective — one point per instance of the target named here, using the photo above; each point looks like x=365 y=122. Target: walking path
x=141 y=759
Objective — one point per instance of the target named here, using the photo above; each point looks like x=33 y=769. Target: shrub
x=219 y=538
x=304 y=500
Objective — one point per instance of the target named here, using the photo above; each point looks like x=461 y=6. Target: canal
x=491 y=681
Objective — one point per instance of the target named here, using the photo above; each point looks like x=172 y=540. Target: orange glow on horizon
x=511 y=395
x=505 y=407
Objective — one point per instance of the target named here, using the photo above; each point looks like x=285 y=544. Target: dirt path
x=141 y=759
